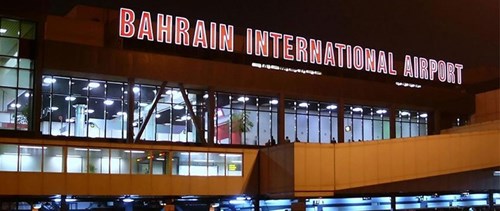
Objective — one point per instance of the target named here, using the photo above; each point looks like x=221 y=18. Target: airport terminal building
x=123 y=107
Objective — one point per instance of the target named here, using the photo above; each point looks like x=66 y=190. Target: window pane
x=95 y=113
x=8 y=157
x=9 y=46
x=140 y=161
x=367 y=129
x=25 y=79
x=234 y=165
x=28 y=30
x=120 y=161
x=8 y=77
x=198 y=165
x=6 y=61
x=325 y=129
x=10 y=27
x=60 y=85
x=77 y=160
x=313 y=128
x=26 y=64
x=180 y=163
x=52 y=159
x=160 y=162
x=99 y=161
x=302 y=128
x=216 y=163
x=264 y=127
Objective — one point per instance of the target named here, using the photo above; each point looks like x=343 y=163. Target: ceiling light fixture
x=357 y=109
x=303 y=105
x=94 y=85
x=273 y=102
x=108 y=102
x=331 y=107
x=381 y=111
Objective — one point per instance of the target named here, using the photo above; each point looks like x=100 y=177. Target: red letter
x=392 y=71
x=276 y=43
x=408 y=72
x=181 y=29
x=424 y=72
x=301 y=49
x=145 y=27
x=261 y=43
x=432 y=68
x=249 y=41
x=459 y=73
x=164 y=27
x=329 y=54
x=451 y=72
x=370 y=60
x=358 y=57
x=200 y=34
x=340 y=53
x=226 y=37
x=127 y=18
x=382 y=63
x=315 y=51
x=287 y=47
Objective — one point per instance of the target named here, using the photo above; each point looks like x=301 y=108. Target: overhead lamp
x=15 y=105
x=404 y=113
x=331 y=107
x=357 y=109
x=303 y=105
x=183 y=118
x=243 y=99
x=31 y=147
x=205 y=96
x=424 y=115
x=128 y=200
x=70 y=120
x=178 y=107
x=94 y=85
x=172 y=92
x=121 y=113
x=273 y=102
x=136 y=89
x=49 y=80
x=108 y=102
x=27 y=94
x=70 y=98
x=381 y=111
x=157 y=116
x=53 y=108
x=3 y=30
x=134 y=151
x=90 y=111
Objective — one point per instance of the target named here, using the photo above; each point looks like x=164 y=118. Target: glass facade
x=411 y=123
x=16 y=74
x=365 y=123
x=28 y=158
x=245 y=119
x=311 y=121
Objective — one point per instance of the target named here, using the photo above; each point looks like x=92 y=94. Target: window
x=141 y=161
x=30 y=158
x=53 y=161
x=8 y=157
x=99 y=161
x=234 y=165
x=76 y=160
x=120 y=161
x=411 y=123
x=180 y=163
x=16 y=74
x=160 y=162
x=365 y=123
x=245 y=119
x=310 y=121
x=206 y=164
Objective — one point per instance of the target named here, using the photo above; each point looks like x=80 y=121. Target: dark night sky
x=460 y=31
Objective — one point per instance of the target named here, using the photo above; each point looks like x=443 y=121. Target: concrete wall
x=487 y=107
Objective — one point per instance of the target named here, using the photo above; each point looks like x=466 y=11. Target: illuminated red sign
x=217 y=36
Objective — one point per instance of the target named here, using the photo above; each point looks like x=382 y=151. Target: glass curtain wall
x=245 y=119
x=365 y=123
x=81 y=107
x=411 y=123
x=310 y=121
x=16 y=73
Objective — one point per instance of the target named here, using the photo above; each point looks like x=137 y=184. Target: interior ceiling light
x=158 y=116
x=303 y=105
x=424 y=115
x=381 y=111
x=26 y=94
x=205 y=96
x=90 y=111
x=15 y=105
x=53 y=108
x=172 y=92
x=178 y=107
x=243 y=99
x=331 y=107
x=3 y=30
x=273 y=102
x=357 y=109
x=70 y=98
x=128 y=200
x=121 y=113
x=410 y=85
x=136 y=89
x=49 y=80
x=404 y=113
x=108 y=102
x=94 y=85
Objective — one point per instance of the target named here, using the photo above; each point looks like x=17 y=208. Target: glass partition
x=365 y=123
x=8 y=157
x=411 y=123
x=77 y=160
x=141 y=161
x=53 y=161
x=30 y=158
x=120 y=161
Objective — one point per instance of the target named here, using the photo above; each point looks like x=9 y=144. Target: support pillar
x=300 y=205
x=80 y=120
x=211 y=117
x=392 y=122
x=130 y=110
x=281 y=119
x=340 y=121
x=393 y=203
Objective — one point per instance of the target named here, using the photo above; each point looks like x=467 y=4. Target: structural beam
x=130 y=110
x=150 y=112
x=211 y=116
x=192 y=114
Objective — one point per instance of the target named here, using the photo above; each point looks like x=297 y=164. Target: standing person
x=273 y=142
x=287 y=140
x=333 y=141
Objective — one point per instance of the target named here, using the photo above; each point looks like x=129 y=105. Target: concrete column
x=392 y=122
x=300 y=205
x=393 y=203
x=281 y=119
x=340 y=121
x=80 y=120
